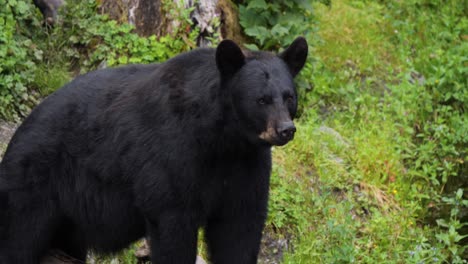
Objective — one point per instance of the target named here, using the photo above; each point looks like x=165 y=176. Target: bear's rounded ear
x=229 y=57
x=295 y=55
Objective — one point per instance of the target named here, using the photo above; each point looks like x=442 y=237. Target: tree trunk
x=214 y=18
x=145 y=15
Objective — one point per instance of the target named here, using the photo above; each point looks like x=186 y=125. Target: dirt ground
x=6 y=132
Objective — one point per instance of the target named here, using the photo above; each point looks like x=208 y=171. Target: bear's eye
x=289 y=98
x=265 y=100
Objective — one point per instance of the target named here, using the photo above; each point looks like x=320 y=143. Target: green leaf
x=259 y=32
x=260 y=4
x=279 y=30
x=22 y=7
x=251 y=47
x=306 y=5
x=442 y=222
x=250 y=18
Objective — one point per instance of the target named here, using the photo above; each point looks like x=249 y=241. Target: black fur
x=149 y=150
x=49 y=9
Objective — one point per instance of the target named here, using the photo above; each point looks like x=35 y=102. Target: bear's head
x=263 y=98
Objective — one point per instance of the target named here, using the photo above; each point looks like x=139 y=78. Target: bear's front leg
x=173 y=238
x=234 y=230
x=235 y=240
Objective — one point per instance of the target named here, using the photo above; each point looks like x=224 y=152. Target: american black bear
x=49 y=9
x=152 y=150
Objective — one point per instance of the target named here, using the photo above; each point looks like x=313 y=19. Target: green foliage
x=127 y=256
x=450 y=237
x=381 y=143
x=439 y=53
x=18 y=56
x=275 y=24
x=36 y=60
x=281 y=215
x=49 y=78
x=90 y=39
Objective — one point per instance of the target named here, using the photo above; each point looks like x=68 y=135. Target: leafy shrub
x=436 y=53
x=36 y=60
x=275 y=24
x=89 y=39
x=18 y=57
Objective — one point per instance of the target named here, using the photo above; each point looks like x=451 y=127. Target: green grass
x=127 y=256
x=3 y=147
x=356 y=37
x=50 y=78
x=340 y=212
x=364 y=171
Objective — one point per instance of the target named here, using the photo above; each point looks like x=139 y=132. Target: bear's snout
x=285 y=131
x=280 y=134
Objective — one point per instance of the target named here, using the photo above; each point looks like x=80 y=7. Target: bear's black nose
x=286 y=130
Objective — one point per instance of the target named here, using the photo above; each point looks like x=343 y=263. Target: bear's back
x=61 y=122
x=103 y=112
